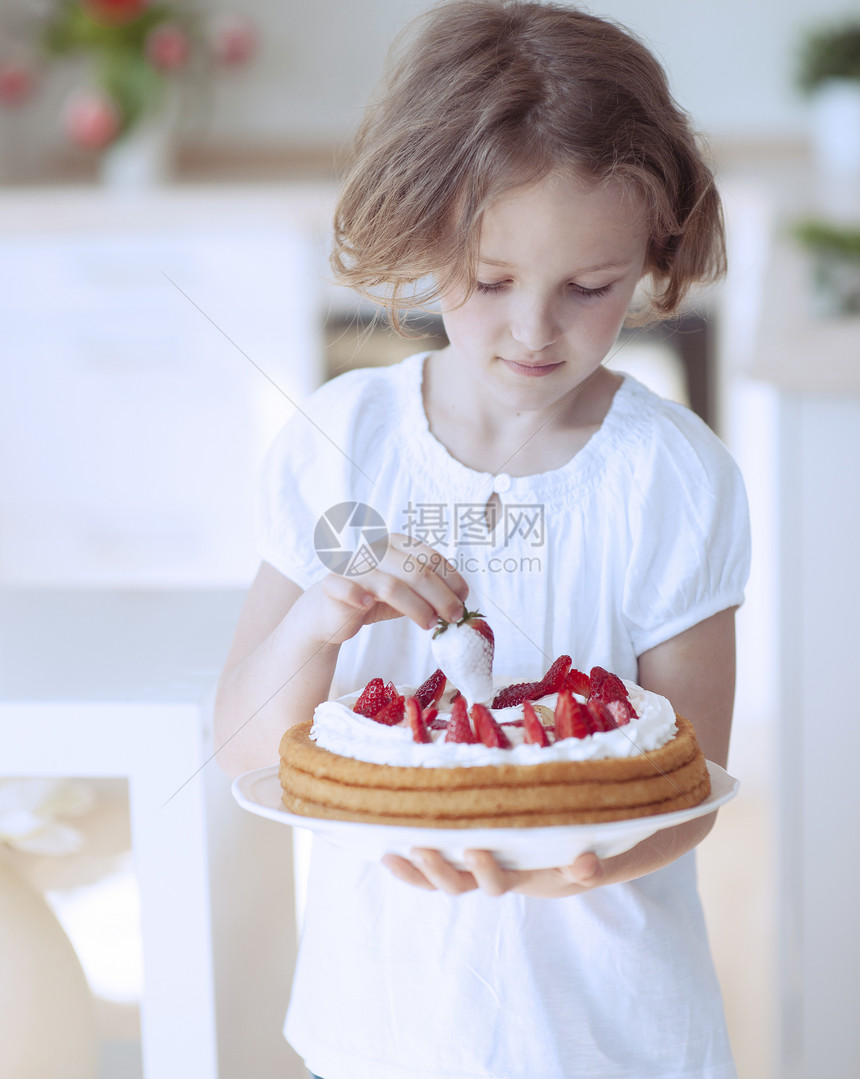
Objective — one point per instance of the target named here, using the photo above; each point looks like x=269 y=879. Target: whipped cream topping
x=340 y=730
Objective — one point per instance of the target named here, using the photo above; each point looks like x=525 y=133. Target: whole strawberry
x=464 y=651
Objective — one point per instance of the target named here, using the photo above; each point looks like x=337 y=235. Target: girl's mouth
x=531 y=370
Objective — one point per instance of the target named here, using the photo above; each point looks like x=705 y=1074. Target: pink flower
x=168 y=47
x=115 y=12
x=17 y=80
x=91 y=119
x=234 y=39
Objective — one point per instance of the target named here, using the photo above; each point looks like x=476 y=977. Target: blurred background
x=167 y=173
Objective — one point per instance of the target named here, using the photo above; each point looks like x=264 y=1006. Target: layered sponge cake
x=569 y=749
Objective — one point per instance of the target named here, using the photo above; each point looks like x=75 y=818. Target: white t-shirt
x=641 y=535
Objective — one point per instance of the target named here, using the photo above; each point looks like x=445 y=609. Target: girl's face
x=559 y=261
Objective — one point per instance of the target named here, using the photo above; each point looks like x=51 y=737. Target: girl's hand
x=412 y=581
x=428 y=869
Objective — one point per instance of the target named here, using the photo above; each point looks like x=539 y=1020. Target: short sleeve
x=285 y=515
x=690 y=537
x=326 y=454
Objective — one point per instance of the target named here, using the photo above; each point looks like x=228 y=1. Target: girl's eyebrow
x=611 y=264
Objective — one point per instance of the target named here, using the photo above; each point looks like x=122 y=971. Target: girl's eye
x=591 y=293
x=580 y=290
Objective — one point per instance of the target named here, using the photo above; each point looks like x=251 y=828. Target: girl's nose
x=533 y=324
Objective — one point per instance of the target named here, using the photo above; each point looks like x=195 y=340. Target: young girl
x=525 y=165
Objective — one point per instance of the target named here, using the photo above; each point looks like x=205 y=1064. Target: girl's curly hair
x=485 y=96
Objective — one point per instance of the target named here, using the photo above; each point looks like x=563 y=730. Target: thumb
x=586 y=871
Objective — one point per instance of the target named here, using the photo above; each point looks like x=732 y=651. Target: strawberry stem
x=467 y=617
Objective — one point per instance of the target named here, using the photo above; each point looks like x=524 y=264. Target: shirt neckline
x=436 y=458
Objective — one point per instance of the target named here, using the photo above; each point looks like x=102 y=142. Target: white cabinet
x=819 y=803
x=149 y=350
x=109 y=683
x=811 y=369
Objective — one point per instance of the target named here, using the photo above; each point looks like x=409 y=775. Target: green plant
x=824 y=238
x=829 y=53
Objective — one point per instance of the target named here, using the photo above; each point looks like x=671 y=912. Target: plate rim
x=607 y=829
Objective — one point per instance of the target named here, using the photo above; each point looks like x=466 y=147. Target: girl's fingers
x=586 y=871
x=490 y=877
x=442 y=874
x=429 y=573
x=376 y=595
x=402 y=597
x=405 y=871
x=411 y=580
x=427 y=869
x=349 y=591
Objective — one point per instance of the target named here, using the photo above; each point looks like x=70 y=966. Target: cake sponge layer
x=318 y=783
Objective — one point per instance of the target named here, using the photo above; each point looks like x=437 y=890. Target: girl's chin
x=550 y=389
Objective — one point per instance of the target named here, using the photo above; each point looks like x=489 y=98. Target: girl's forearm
x=651 y=854
x=277 y=685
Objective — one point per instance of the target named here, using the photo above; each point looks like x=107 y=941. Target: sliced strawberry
x=391 y=693
x=487 y=729
x=621 y=712
x=371 y=699
x=429 y=713
x=581 y=725
x=606 y=686
x=533 y=729
x=391 y=713
x=571 y=718
x=564 y=715
x=553 y=680
x=601 y=718
x=519 y=692
x=459 y=728
x=578 y=682
x=513 y=695
x=430 y=691
x=416 y=721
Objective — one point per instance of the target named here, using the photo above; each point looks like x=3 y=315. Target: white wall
x=730 y=62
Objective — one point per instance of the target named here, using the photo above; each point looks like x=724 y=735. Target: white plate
x=516 y=848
